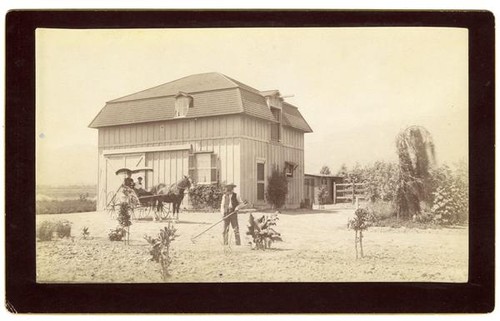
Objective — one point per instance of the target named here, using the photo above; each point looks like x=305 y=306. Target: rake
x=216 y=223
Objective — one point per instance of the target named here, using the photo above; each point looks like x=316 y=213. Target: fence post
x=353 y=200
x=334 y=193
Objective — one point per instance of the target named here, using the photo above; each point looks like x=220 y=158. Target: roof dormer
x=183 y=102
x=273 y=98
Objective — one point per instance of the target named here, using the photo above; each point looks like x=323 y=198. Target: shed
x=313 y=182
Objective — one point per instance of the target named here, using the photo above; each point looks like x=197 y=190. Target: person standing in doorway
x=229 y=208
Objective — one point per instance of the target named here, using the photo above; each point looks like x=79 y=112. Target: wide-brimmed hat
x=231 y=185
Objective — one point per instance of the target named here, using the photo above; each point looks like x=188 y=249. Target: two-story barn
x=208 y=126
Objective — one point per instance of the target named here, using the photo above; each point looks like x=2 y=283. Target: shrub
x=117 y=234
x=47 y=229
x=206 y=196
x=425 y=217
x=380 y=180
x=277 y=189
x=160 y=248
x=63 y=229
x=322 y=195
x=451 y=195
x=262 y=230
x=446 y=206
x=306 y=203
x=85 y=232
x=382 y=210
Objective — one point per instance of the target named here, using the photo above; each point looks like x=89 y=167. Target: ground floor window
x=203 y=168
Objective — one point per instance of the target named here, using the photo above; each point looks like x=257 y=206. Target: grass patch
x=65 y=206
x=395 y=223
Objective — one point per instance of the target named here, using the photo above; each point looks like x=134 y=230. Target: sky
x=356 y=87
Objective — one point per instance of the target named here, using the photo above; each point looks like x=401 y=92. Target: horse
x=170 y=194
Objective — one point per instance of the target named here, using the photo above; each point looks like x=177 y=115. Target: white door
x=133 y=161
x=114 y=163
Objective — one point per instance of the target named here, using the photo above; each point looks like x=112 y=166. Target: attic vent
x=183 y=102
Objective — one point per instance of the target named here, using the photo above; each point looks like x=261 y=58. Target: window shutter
x=192 y=167
x=214 y=169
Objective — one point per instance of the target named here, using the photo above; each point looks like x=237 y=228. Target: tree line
x=418 y=188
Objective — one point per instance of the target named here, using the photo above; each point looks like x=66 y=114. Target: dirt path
x=317 y=247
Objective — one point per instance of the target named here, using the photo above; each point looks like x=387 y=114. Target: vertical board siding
x=236 y=140
x=229 y=160
x=168 y=130
x=275 y=154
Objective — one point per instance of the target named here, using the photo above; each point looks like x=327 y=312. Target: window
x=276 y=127
x=203 y=168
x=290 y=168
x=183 y=102
x=261 y=183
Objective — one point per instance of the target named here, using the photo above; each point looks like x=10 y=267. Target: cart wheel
x=111 y=209
x=131 y=212
x=140 y=212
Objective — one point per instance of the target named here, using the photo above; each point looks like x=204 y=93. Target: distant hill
x=61 y=192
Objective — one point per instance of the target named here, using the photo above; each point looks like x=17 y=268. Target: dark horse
x=170 y=194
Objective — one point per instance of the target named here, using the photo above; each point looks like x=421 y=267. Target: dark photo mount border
x=24 y=295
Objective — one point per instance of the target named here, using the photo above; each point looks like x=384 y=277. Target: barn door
x=115 y=162
x=113 y=181
x=134 y=161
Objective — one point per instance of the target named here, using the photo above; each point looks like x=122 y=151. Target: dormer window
x=274 y=101
x=183 y=102
x=276 y=127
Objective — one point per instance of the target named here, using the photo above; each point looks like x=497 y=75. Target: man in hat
x=229 y=204
x=138 y=185
x=139 y=188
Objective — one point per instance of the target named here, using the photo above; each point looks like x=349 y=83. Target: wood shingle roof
x=214 y=94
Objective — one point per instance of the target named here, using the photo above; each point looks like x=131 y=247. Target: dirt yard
x=316 y=247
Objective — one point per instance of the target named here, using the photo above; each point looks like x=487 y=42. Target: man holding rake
x=229 y=210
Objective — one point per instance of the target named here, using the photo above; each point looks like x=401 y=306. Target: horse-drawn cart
x=154 y=203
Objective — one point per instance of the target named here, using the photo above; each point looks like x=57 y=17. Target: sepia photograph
x=252 y=155
x=249 y=161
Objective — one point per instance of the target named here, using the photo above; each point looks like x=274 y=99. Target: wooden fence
x=347 y=193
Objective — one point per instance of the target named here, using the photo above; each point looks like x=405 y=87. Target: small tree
x=124 y=224
x=160 y=248
x=360 y=222
x=325 y=170
x=277 y=189
x=322 y=195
